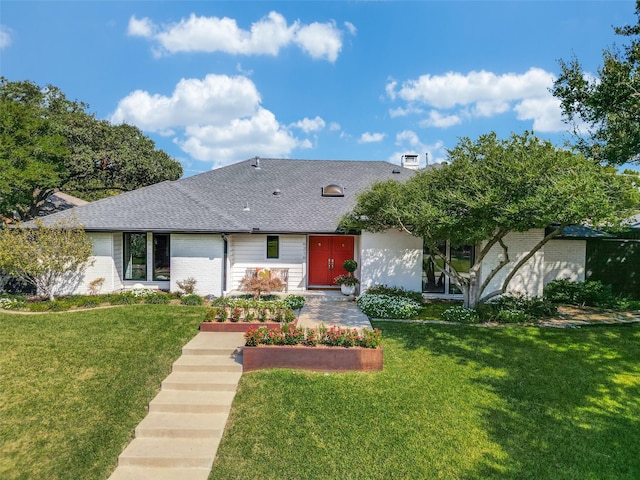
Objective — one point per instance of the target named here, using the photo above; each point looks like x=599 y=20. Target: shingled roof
x=267 y=195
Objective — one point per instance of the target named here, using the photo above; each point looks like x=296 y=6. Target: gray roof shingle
x=215 y=201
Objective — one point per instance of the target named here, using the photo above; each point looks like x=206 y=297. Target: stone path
x=179 y=437
x=342 y=312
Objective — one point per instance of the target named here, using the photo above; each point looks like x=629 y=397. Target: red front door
x=326 y=256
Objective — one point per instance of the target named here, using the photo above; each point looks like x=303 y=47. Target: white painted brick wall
x=530 y=277
x=565 y=259
x=103 y=266
x=250 y=251
x=199 y=256
x=391 y=258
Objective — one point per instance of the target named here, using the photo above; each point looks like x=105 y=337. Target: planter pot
x=320 y=358
x=348 y=289
x=242 y=327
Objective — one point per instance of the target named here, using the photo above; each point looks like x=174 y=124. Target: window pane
x=433 y=277
x=461 y=260
x=135 y=256
x=161 y=257
x=273 y=246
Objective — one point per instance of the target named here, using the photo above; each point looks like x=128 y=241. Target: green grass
x=74 y=385
x=453 y=402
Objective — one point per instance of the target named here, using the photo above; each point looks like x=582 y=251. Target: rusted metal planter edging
x=241 y=327
x=323 y=359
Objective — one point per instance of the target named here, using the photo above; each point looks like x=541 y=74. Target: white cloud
x=265 y=37
x=320 y=40
x=217 y=119
x=351 y=28
x=334 y=127
x=6 y=36
x=403 y=112
x=140 y=27
x=455 y=97
x=371 y=137
x=436 y=119
x=310 y=124
x=409 y=142
x=545 y=113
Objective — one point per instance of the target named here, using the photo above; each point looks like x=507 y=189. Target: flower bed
x=238 y=315
x=332 y=349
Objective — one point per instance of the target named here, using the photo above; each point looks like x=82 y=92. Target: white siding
x=118 y=273
x=530 y=277
x=250 y=251
x=391 y=258
x=103 y=267
x=565 y=259
x=199 y=256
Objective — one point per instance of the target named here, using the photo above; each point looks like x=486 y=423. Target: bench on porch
x=281 y=273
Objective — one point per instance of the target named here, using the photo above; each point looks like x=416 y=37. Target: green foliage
x=157 y=298
x=187 y=286
x=608 y=103
x=122 y=298
x=348 y=280
x=490 y=188
x=332 y=337
x=589 y=293
x=50 y=143
x=48 y=257
x=350 y=265
x=395 y=292
x=294 y=302
x=516 y=309
x=460 y=314
x=385 y=306
x=191 y=300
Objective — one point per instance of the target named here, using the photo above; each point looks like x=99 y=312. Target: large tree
x=608 y=104
x=488 y=189
x=52 y=258
x=50 y=143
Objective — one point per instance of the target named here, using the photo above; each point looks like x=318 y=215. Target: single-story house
x=281 y=215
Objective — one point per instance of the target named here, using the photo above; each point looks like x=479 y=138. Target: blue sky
x=217 y=82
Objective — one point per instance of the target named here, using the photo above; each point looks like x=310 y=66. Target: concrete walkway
x=179 y=438
x=340 y=311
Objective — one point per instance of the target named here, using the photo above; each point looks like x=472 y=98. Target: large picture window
x=434 y=279
x=135 y=256
x=161 y=256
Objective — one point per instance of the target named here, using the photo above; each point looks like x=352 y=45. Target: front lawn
x=453 y=402
x=74 y=385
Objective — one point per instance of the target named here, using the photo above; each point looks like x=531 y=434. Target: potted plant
x=347 y=284
x=350 y=266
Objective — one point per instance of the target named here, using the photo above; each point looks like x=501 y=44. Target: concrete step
x=173 y=452
x=207 y=363
x=182 y=425
x=214 y=343
x=159 y=473
x=223 y=382
x=185 y=401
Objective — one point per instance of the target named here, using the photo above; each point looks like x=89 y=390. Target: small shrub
x=591 y=293
x=350 y=265
x=294 y=302
x=460 y=314
x=395 y=292
x=385 y=306
x=516 y=309
x=123 y=298
x=191 y=300
x=157 y=298
x=7 y=303
x=88 y=302
x=259 y=285
x=95 y=286
x=187 y=286
x=236 y=313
